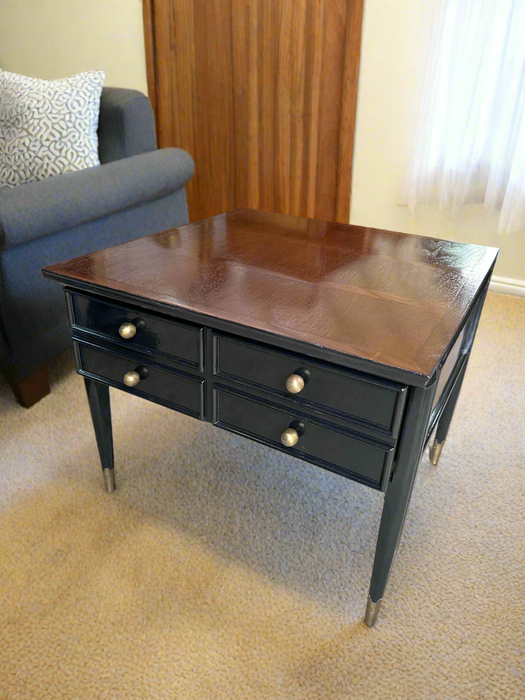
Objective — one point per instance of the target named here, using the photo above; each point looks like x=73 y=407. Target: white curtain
x=470 y=138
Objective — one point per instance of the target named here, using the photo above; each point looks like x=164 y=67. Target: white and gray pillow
x=47 y=127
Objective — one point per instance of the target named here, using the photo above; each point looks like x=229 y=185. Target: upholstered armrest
x=126 y=126
x=65 y=201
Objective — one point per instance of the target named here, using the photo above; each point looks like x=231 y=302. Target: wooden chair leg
x=29 y=390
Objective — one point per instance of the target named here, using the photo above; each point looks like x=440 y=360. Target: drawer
x=377 y=403
x=325 y=445
x=177 y=390
x=154 y=335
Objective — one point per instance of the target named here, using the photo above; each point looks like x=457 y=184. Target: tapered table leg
x=99 y=404
x=446 y=418
x=397 y=495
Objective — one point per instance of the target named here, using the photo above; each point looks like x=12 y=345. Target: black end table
x=341 y=345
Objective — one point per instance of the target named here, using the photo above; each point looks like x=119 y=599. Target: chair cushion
x=47 y=127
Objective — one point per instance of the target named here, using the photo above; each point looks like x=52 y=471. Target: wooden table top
x=393 y=298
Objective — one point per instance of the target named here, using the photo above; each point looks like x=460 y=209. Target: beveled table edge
x=343 y=359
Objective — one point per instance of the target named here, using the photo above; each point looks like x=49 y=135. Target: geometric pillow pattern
x=47 y=127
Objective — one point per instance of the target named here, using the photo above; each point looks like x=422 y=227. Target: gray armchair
x=137 y=190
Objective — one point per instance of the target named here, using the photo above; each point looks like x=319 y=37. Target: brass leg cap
x=435 y=452
x=372 y=611
x=109 y=480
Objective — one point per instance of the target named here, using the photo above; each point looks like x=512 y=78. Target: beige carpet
x=220 y=569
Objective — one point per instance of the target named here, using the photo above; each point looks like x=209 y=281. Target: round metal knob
x=127 y=330
x=294 y=383
x=289 y=437
x=131 y=378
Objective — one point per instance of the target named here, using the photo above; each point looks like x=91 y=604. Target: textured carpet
x=220 y=569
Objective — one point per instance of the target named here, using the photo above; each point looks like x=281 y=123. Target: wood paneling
x=149 y=40
x=262 y=93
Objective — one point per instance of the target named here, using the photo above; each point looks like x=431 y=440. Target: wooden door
x=262 y=93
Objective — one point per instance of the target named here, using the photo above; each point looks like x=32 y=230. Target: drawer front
x=327 y=446
x=376 y=402
x=157 y=335
x=174 y=389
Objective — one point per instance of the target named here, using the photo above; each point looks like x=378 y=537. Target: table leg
x=397 y=495
x=446 y=418
x=98 y=397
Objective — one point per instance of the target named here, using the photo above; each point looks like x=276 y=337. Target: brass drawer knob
x=127 y=330
x=289 y=437
x=294 y=383
x=131 y=378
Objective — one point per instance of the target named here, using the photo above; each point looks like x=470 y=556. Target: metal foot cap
x=372 y=611
x=109 y=480
x=435 y=451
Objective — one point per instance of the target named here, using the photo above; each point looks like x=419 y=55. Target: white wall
x=56 y=38
x=395 y=34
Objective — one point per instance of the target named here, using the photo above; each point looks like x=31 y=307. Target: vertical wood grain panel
x=297 y=103
x=263 y=95
x=164 y=87
x=268 y=43
x=315 y=42
x=333 y=33
x=241 y=68
x=149 y=41
x=253 y=103
x=354 y=23
x=283 y=116
x=182 y=22
x=214 y=124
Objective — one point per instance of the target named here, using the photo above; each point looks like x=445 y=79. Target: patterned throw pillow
x=47 y=127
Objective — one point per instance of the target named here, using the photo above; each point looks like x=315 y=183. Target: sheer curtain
x=470 y=137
